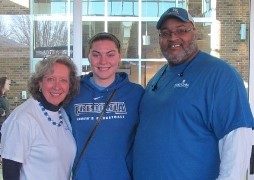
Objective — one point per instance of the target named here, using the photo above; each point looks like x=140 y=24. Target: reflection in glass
x=148 y=69
x=115 y=8
x=131 y=68
x=127 y=33
x=52 y=7
x=89 y=29
x=50 y=37
x=151 y=8
x=200 y=8
x=93 y=7
x=151 y=50
x=123 y=8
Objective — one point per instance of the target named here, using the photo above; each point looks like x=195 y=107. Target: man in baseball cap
x=179 y=13
x=189 y=128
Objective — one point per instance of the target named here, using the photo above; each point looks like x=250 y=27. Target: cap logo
x=175 y=10
x=179 y=13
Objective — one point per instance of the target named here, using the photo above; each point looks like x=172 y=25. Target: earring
x=40 y=89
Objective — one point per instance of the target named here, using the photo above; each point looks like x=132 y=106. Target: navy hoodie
x=109 y=153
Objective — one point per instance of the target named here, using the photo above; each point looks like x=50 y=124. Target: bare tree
x=20 y=29
x=46 y=33
x=3 y=28
x=50 y=33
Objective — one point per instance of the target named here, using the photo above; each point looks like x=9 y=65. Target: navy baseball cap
x=179 y=13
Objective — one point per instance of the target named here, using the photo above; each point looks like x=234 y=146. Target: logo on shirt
x=113 y=107
x=96 y=98
x=182 y=84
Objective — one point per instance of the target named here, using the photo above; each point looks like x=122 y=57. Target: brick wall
x=231 y=13
x=11 y=8
x=14 y=63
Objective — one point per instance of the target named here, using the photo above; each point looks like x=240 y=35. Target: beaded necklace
x=49 y=118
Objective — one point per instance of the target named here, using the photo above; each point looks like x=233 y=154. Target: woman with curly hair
x=37 y=141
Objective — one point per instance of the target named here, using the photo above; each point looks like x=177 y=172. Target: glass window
x=131 y=68
x=149 y=69
x=204 y=36
x=151 y=8
x=89 y=29
x=200 y=8
x=93 y=8
x=127 y=33
x=51 y=37
x=59 y=7
x=123 y=8
x=150 y=41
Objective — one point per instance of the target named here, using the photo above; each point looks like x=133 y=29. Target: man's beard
x=182 y=57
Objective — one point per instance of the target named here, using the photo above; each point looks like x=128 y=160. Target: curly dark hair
x=46 y=65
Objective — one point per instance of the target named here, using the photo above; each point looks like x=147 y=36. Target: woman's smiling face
x=55 y=84
x=104 y=58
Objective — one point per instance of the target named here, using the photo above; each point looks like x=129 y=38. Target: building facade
x=30 y=30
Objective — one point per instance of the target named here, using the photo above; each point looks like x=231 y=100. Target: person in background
x=37 y=141
x=108 y=154
x=4 y=103
x=195 y=118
